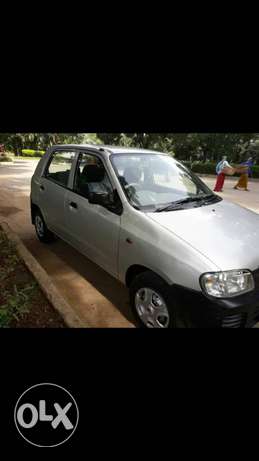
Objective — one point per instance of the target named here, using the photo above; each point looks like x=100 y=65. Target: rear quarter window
x=59 y=167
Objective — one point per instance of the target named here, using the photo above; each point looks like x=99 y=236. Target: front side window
x=91 y=176
x=59 y=167
x=154 y=181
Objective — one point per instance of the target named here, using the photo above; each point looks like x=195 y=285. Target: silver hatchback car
x=189 y=257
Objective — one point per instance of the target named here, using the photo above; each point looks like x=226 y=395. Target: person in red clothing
x=220 y=175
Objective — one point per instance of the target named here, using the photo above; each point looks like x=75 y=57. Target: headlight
x=227 y=284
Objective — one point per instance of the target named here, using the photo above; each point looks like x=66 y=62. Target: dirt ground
x=22 y=303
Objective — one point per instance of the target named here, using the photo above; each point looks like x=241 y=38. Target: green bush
x=186 y=163
x=32 y=153
x=255 y=171
x=204 y=168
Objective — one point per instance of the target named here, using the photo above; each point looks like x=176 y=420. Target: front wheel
x=150 y=301
x=43 y=233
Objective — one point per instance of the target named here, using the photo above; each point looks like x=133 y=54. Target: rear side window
x=60 y=166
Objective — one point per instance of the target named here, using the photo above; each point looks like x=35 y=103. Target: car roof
x=106 y=148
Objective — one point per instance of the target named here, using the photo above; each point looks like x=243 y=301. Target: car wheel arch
x=137 y=269
x=34 y=209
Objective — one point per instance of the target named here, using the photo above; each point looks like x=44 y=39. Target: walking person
x=220 y=174
x=243 y=180
x=250 y=164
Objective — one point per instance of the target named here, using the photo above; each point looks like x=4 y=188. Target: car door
x=53 y=187
x=93 y=229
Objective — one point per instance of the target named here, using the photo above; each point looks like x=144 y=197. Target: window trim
x=51 y=156
x=113 y=186
x=81 y=152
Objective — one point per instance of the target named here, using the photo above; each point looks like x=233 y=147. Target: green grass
x=14 y=300
x=5 y=158
x=32 y=153
x=21 y=157
x=17 y=303
x=22 y=303
x=26 y=154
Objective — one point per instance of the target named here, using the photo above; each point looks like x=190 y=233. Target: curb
x=44 y=281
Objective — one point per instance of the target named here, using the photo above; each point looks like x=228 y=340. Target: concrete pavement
x=246 y=199
x=98 y=299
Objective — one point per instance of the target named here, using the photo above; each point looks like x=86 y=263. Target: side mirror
x=100 y=198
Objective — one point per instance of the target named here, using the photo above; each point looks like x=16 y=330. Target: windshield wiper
x=177 y=204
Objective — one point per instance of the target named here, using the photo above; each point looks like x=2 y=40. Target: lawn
x=22 y=303
x=21 y=157
x=10 y=157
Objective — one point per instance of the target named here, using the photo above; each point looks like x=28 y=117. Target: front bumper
x=198 y=310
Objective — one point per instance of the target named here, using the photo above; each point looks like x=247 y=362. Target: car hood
x=225 y=233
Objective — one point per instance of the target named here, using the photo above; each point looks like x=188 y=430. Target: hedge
x=204 y=168
x=186 y=163
x=210 y=168
x=32 y=153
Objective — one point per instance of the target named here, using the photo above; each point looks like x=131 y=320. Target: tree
x=214 y=145
x=142 y=140
x=203 y=146
x=110 y=138
x=15 y=142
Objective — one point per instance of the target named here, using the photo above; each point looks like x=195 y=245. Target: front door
x=93 y=229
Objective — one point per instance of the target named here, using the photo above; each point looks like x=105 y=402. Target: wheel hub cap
x=39 y=226
x=151 y=308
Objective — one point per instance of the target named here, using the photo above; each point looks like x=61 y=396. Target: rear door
x=93 y=229
x=53 y=187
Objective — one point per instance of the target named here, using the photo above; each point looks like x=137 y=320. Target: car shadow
x=107 y=285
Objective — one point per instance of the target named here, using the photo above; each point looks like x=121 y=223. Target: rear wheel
x=43 y=233
x=150 y=301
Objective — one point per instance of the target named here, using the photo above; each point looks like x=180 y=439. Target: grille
x=234 y=321
x=241 y=319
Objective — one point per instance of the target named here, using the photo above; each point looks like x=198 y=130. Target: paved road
x=247 y=199
x=98 y=299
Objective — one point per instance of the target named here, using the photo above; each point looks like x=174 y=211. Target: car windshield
x=154 y=181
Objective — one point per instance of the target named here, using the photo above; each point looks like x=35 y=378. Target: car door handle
x=73 y=205
x=42 y=187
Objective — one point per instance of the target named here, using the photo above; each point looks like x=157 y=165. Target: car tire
x=42 y=232
x=150 y=301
